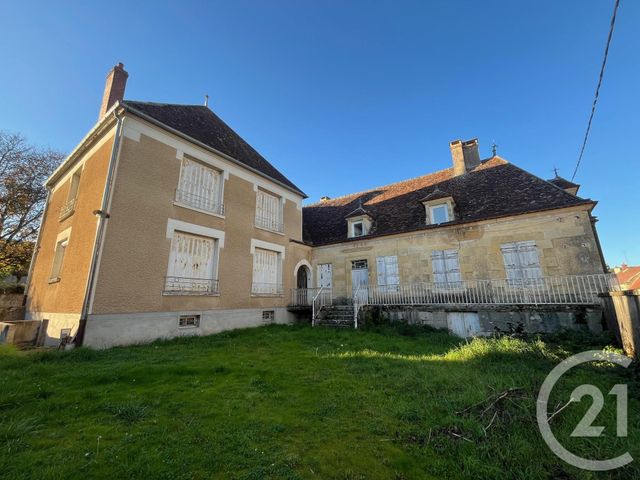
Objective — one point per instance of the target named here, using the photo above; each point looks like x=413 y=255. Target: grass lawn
x=295 y=402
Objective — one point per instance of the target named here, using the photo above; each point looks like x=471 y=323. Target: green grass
x=295 y=402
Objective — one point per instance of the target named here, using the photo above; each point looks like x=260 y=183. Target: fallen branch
x=559 y=410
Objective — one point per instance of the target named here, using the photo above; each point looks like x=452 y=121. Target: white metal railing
x=67 y=209
x=561 y=290
x=322 y=297
x=190 y=286
x=197 y=201
x=269 y=223
x=266 y=288
x=303 y=297
x=358 y=299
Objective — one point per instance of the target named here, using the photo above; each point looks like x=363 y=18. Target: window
x=189 y=321
x=439 y=213
x=522 y=263
x=200 y=187
x=359 y=265
x=269 y=212
x=69 y=206
x=266 y=272
x=268 y=315
x=388 y=273
x=325 y=275
x=58 y=258
x=192 y=265
x=446 y=268
x=358 y=229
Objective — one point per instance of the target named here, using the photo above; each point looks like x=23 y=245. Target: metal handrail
x=356 y=306
x=313 y=307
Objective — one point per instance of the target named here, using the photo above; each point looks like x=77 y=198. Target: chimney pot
x=465 y=156
x=114 y=88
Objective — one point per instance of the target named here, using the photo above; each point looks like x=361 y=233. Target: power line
x=595 y=100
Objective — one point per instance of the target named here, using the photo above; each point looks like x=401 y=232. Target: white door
x=325 y=275
x=464 y=324
x=360 y=280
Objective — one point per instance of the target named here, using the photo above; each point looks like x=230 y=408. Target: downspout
x=103 y=215
x=36 y=247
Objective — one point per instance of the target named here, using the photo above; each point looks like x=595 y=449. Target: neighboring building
x=164 y=222
x=629 y=277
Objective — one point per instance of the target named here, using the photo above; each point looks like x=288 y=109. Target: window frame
x=182 y=194
x=68 y=208
x=196 y=324
x=452 y=277
x=262 y=220
x=434 y=208
x=522 y=277
x=383 y=273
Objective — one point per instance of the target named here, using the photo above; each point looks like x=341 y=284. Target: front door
x=360 y=280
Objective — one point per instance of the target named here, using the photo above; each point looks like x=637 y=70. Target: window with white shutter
x=325 y=275
x=192 y=265
x=58 y=258
x=200 y=187
x=522 y=263
x=388 y=273
x=266 y=272
x=269 y=212
x=446 y=268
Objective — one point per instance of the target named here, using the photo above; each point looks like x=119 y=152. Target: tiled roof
x=496 y=188
x=201 y=124
x=629 y=277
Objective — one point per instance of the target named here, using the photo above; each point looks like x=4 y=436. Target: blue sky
x=346 y=95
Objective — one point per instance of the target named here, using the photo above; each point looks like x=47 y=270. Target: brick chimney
x=113 y=88
x=465 y=156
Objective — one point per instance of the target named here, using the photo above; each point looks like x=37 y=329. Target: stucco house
x=164 y=222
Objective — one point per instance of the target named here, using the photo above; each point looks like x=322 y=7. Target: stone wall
x=528 y=319
x=11 y=307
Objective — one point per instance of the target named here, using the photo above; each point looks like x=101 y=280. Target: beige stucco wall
x=67 y=295
x=564 y=238
x=136 y=249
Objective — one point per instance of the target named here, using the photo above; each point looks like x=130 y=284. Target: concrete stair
x=336 y=316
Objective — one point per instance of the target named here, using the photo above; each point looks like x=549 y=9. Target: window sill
x=190 y=294
x=54 y=280
x=196 y=209
x=253 y=294
x=189 y=327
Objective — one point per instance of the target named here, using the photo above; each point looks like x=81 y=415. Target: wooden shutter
x=200 y=184
x=452 y=266
x=521 y=261
x=325 y=275
x=265 y=267
x=191 y=256
x=439 y=266
x=387 y=270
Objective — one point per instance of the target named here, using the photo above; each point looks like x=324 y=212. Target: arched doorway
x=302 y=293
x=303 y=278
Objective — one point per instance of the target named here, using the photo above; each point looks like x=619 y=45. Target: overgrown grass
x=295 y=402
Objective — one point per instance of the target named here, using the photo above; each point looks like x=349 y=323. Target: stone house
x=165 y=222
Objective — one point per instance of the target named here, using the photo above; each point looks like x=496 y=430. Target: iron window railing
x=266 y=289
x=269 y=223
x=190 y=286
x=67 y=209
x=197 y=201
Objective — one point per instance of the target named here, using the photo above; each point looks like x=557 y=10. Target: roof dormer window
x=358 y=229
x=439 y=213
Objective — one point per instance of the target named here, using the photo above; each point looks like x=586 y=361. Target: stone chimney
x=465 y=156
x=113 y=88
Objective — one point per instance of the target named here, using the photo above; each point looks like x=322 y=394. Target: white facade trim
x=173 y=225
x=266 y=246
x=65 y=234
x=301 y=263
x=134 y=128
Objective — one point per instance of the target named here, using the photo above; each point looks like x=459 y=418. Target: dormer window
x=439 y=207
x=439 y=213
x=357 y=229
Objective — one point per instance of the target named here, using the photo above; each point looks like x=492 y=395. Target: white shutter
x=380 y=267
x=439 y=266
x=191 y=256
x=511 y=261
x=268 y=211
x=452 y=266
x=325 y=275
x=199 y=185
x=521 y=261
x=265 y=269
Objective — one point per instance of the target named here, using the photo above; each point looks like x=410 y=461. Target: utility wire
x=595 y=100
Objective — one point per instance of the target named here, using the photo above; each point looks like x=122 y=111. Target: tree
x=23 y=171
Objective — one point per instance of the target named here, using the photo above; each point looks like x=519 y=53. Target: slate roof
x=201 y=124
x=563 y=183
x=495 y=188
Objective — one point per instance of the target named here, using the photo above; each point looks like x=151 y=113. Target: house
x=165 y=222
x=629 y=277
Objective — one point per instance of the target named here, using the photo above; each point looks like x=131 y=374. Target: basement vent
x=268 y=315
x=188 y=321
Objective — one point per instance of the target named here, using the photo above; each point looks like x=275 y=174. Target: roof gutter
x=103 y=216
x=178 y=133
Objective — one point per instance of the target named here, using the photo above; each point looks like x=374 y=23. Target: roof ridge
x=165 y=104
x=373 y=189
